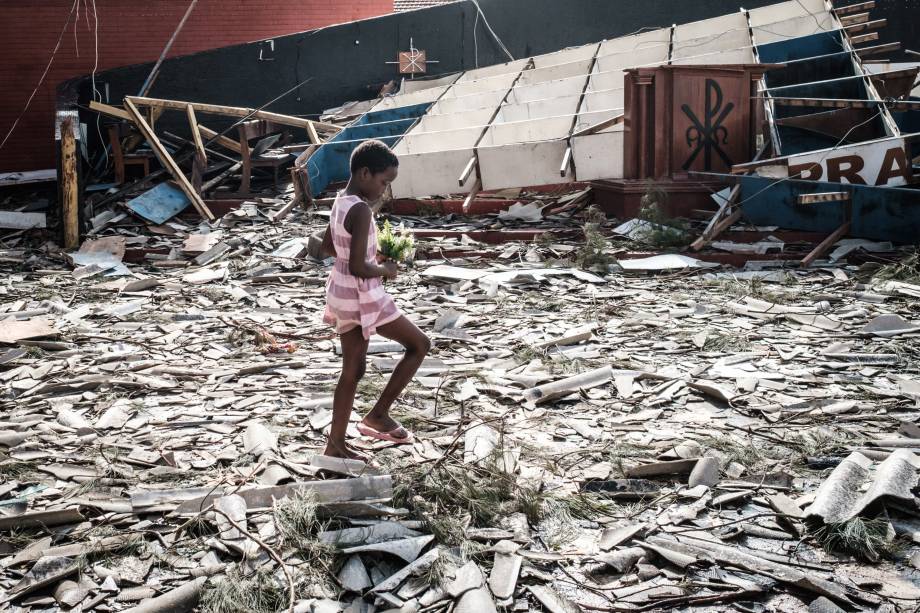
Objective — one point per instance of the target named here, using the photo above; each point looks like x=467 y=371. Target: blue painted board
x=330 y=163
x=878 y=213
x=909 y=123
x=160 y=203
x=801 y=47
x=851 y=88
x=402 y=112
x=821 y=68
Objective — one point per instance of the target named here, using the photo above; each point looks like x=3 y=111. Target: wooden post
x=70 y=179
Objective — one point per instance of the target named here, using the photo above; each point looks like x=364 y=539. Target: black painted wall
x=348 y=61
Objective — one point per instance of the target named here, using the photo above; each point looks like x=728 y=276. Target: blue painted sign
x=160 y=204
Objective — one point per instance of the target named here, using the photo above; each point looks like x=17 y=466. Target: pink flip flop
x=386 y=436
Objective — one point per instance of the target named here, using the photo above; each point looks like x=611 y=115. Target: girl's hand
x=390 y=269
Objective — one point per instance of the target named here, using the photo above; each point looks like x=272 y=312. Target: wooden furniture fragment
x=122 y=159
x=167 y=161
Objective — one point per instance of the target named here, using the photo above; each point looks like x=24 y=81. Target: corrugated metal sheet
x=858 y=484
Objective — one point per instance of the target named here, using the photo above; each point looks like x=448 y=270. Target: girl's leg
x=417 y=345
x=354 y=352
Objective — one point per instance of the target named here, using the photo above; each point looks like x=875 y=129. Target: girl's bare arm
x=358 y=222
x=328 y=248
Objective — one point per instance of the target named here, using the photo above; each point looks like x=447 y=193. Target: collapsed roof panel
x=555 y=117
x=820 y=68
x=722 y=40
x=790 y=20
x=803 y=47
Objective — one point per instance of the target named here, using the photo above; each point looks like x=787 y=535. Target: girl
x=357 y=304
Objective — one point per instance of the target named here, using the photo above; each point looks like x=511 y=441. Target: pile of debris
x=589 y=436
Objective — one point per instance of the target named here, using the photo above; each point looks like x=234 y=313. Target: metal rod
x=156 y=68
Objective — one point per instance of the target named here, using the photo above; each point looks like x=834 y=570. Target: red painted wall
x=129 y=32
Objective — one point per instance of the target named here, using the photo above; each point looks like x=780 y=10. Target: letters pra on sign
x=881 y=163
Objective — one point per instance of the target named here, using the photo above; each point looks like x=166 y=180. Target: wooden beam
x=467 y=170
x=168 y=162
x=282 y=212
x=826 y=244
x=70 y=205
x=221 y=177
x=852 y=20
x=469 y=198
x=866 y=26
x=233 y=111
x=566 y=160
x=312 y=135
x=196 y=135
x=855 y=8
x=200 y=163
x=725 y=224
x=823 y=197
x=875 y=49
x=112 y=111
x=223 y=141
x=865 y=38
x=705 y=237
x=603 y=125
x=845 y=103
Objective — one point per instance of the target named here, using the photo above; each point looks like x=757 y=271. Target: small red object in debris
x=280 y=348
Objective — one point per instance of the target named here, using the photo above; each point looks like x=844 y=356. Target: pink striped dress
x=350 y=300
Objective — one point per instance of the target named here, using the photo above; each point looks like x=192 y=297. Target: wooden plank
x=844 y=103
x=566 y=160
x=221 y=177
x=233 y=111
x=600 y=126
x=725 y=224
x=467 y=170
x=311 y=134
x=471 y=196
x=168 y=162
x=705 y=238
x=826 y=244
x=852 y=20
x=865 y=27
x=823 y=197
x=70 y=186
x=223 y=141
x=200 y=163
x=865 y=38
x=875 y=49
x=282 y=212
x=112 y=111
x=855 y=8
